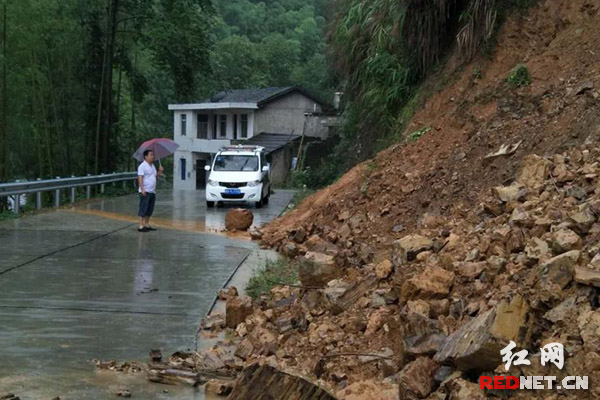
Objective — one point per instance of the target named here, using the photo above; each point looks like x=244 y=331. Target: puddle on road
x=198 y=226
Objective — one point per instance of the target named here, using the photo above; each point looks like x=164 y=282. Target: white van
x=239 y=174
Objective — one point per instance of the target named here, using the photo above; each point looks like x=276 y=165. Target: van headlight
x=253 y=183
x=213 y=183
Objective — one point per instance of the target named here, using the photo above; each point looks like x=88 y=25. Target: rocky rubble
x=426 y=316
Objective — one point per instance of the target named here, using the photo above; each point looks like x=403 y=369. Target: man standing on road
x=147 y=187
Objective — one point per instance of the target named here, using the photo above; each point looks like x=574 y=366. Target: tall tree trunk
x=120 y=80
x=133 y=129
x=44 y=119
x=3 y=134
x=99 y=118
x=108 y=121
x=36 y=134
x=64 y=147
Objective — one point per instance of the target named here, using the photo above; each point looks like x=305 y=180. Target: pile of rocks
x=426 y=317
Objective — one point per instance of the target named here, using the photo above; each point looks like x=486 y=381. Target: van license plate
x=233 y=191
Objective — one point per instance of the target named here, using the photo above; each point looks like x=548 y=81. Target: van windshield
x=236 y=162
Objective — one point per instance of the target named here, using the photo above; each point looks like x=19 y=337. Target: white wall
x=285 y=115
x=190 y=146
x=190 y=180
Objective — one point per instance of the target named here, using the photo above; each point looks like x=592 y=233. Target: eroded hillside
x=474 y=115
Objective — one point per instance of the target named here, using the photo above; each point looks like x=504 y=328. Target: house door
x=200 y=174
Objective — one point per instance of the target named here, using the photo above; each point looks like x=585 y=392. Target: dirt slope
x=475 y=114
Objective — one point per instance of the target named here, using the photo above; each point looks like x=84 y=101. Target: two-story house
x=274 y=117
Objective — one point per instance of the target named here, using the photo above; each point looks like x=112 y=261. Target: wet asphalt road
x=82 y=283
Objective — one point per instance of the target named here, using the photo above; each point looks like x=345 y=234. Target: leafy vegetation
x=271 y=274
x=316 y=178
x=5 y=215
x=381 y=50
x=416 y=135
x=270 y=43
x=519 y=76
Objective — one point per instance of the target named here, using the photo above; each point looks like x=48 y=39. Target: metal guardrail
x=17 y=189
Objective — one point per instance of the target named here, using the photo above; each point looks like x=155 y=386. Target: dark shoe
x=149 y=228
x=143 y=229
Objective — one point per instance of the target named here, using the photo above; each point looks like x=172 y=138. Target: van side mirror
x=207 y=167
x=265 y=168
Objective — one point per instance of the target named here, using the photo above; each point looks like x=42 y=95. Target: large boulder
x=238 y=219
x=476 y=345
x=407 y=248
x=417 y=378
x=589 y=328
x=559 y=270
x=587 y=276
x=318 y=245
x=316 y=269
x=534 y=171
x=583 y=219
x=384 y=269
x=218 y=387
x=433 y=283
x=510 y=193
x=237 y=309
x=264 y=382
x=565 y=240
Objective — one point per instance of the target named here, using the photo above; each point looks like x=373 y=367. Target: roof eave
x=212 y=106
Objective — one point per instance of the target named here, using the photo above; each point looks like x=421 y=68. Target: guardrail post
x=102 y=187
x=38 y=198
x=57 y=196
x=17 y=204
x=88 y=190
x=73 y=192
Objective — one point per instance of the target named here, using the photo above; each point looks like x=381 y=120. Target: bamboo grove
x=85 y=81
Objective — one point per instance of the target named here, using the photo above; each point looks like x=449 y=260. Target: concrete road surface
x=81 y=284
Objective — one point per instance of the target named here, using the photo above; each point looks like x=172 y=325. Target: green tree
x=179 y=39
x=239 y=63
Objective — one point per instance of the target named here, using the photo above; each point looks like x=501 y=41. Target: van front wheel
x=210 y=204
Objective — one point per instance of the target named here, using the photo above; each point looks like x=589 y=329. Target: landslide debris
x=431 y=316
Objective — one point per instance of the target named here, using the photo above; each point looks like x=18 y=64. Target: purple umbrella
x=160 y=147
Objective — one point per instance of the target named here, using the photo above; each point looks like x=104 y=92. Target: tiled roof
x=270 y=141
x=256 y=95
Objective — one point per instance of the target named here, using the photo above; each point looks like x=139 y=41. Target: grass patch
x=6 y=215
x=273 y=272
x=519 y=76
x=413 y=137
x=299 y=196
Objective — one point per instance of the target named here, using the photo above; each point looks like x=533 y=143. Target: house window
x=214 y=127
x=223 y=127
x=235 y=126
x=183 y=124
x=182 y=161
x=244 y=127
x=202 y=126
